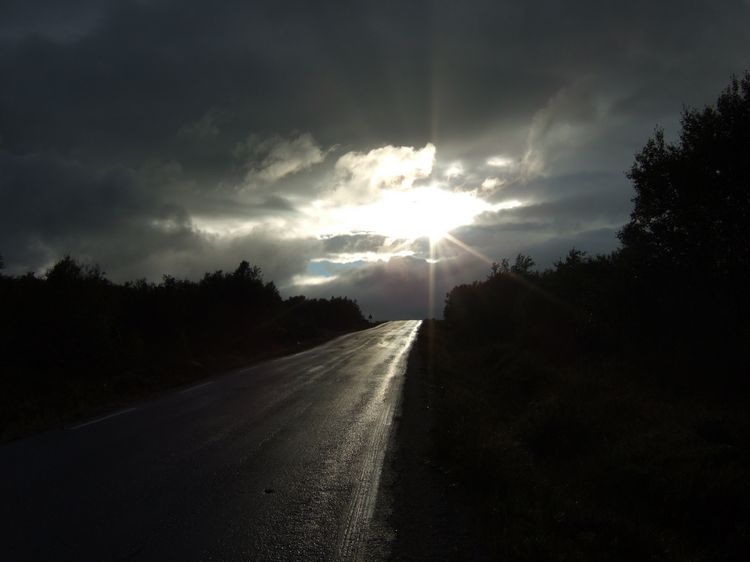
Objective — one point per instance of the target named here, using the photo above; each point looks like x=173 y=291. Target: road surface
x=280 y=461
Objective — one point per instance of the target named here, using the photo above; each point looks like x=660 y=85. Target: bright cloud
x=500 y=161
x=454 y=170
x=353 y=257
x=381 y=192
x=363 y=174
x=403 y=214
x=311 y=280
x=492 y=183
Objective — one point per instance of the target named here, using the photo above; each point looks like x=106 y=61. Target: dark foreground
x=281 y=461
x=509 y=456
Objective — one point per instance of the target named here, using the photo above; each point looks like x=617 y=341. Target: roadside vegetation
x=73 y=343
x=599 y=410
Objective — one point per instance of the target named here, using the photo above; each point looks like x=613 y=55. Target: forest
x=598 y=410
x=74 y=343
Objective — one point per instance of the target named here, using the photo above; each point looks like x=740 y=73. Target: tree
x=522 y=267
x=687 y=245
x=692 y=203
x=246 y=272
x=69 y=271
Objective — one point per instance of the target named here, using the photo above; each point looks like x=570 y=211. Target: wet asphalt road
x=280 y=461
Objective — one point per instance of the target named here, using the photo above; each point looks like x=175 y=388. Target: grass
x=593 y=460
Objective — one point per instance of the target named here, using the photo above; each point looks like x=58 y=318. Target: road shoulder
x=423 y=505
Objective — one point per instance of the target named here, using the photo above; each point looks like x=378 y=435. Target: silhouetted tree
x=245 y=271
x=688 y=239
x=522 y=266
x=692 y=203
x=69 y=270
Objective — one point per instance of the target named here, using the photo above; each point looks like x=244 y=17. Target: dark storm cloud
x=278 y=258
x=126 y=125
x=150 y=70
x=48 y=203
x=50 y=206
x=350 y=71
x=566 y=200
x=59 y=21
x=546 y=253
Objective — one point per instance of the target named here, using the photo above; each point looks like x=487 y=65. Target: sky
x=385 y=151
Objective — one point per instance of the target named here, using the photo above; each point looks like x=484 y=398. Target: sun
x=425 y=211
x=404 y=214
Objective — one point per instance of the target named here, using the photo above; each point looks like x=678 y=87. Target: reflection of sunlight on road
x=398 y=361
x=378 y=415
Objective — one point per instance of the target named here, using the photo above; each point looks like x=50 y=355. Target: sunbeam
x=452 y=239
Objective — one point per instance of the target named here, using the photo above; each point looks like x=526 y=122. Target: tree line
x=72 y=334
x=675 y=290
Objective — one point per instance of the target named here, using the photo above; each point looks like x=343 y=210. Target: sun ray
x=532 y=286
x=450 y=238
x=431 y=279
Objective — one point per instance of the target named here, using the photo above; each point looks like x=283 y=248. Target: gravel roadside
x=421 y=506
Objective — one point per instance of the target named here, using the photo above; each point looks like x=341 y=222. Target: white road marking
x=190 y=389
x=97 y=420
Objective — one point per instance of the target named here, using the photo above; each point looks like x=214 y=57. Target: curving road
x=280 y=461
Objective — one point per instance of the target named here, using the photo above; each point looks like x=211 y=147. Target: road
x=280 y=461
